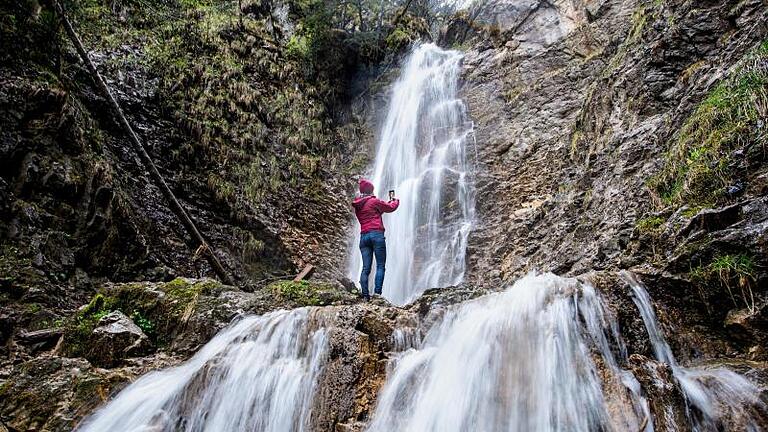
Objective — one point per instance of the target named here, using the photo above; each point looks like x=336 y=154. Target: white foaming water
x=422 y=155
x=717 y=394
x=259 y=374
x=522 y=360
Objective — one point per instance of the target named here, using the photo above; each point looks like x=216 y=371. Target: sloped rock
x=749 y=324
x=713 y=219
x=360 y=342
x=51 y=393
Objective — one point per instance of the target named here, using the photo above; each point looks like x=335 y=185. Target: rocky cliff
x=633 y=138
x=609 y=135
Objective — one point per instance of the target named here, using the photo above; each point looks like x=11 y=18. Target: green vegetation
x=650 y=224
x=639 y=21
x=298 y=47
x=29 y=33
x=731 y=271
x=691 y=211
x=82 y=324
x=34 y=308
x=398 y=39
x=144 y=323
x=158 y=312
x=700 y=163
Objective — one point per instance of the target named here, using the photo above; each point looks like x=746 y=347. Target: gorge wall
x=609 y=135
x=619 y=145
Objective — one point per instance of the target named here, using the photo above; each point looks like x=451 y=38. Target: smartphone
x=392 y=194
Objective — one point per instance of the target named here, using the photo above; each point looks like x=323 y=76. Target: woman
x=368 y=210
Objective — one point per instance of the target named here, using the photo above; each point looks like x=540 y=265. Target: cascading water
x=545 y=355
x=422 y=155
x=521 y=360
x=716 y=393
x=257 y=375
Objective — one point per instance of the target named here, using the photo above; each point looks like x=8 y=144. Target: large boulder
x=179 y=315
x=116 y=337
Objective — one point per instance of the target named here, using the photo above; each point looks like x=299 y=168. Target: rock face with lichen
x=633 y=139
x=610 y=135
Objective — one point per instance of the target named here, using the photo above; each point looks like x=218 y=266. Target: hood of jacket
x=361 y=200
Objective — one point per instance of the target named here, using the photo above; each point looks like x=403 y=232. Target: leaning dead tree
x=179 y=211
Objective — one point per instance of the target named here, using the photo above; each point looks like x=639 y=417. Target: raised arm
x=387 y=207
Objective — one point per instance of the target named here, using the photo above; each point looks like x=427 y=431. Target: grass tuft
x=732 y=272
x=701 y=163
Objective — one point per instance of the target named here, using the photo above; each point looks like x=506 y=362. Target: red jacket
x=368 y=210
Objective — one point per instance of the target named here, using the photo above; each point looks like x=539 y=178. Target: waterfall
x=546 y=355
x=259 y=374
x=716 y=394
x=422 y=155
x=542 y=356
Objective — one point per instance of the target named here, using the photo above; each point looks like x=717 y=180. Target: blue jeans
x=373 y=243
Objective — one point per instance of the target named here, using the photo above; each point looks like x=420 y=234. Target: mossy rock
x=707 y=162
x=160 y=310
x=650 y=224
x=306 y=293
x=51 y=393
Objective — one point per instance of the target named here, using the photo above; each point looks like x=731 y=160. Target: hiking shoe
x=379 y=300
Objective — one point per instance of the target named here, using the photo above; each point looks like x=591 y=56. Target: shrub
x=729 y=271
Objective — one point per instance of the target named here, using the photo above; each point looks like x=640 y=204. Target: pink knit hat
x=366 y=187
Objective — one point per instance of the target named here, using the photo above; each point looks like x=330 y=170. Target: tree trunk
x=401 y=14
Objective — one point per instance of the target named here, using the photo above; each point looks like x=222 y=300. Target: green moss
x=639 y=21
x=34 y=308
x=398 y=39
x=298 y=47
x=699 y=164
x=691 y=211
x=305 y=293
x=183 y=294
x=157 y=312
x=650 y=224
x=79 y=328
x=302 y=292
x=145 y=324
x=186 y=289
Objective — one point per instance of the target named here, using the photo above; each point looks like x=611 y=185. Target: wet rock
x=360 y=343
x=749 y=325
x=41 y=339
x=713 y=219
x=534 y=24
x=664 y=396
x=457 y=31
x=53 y=393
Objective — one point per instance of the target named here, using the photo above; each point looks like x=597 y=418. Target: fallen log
x=146 y=160
x=37 y=336
x=307 y=272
